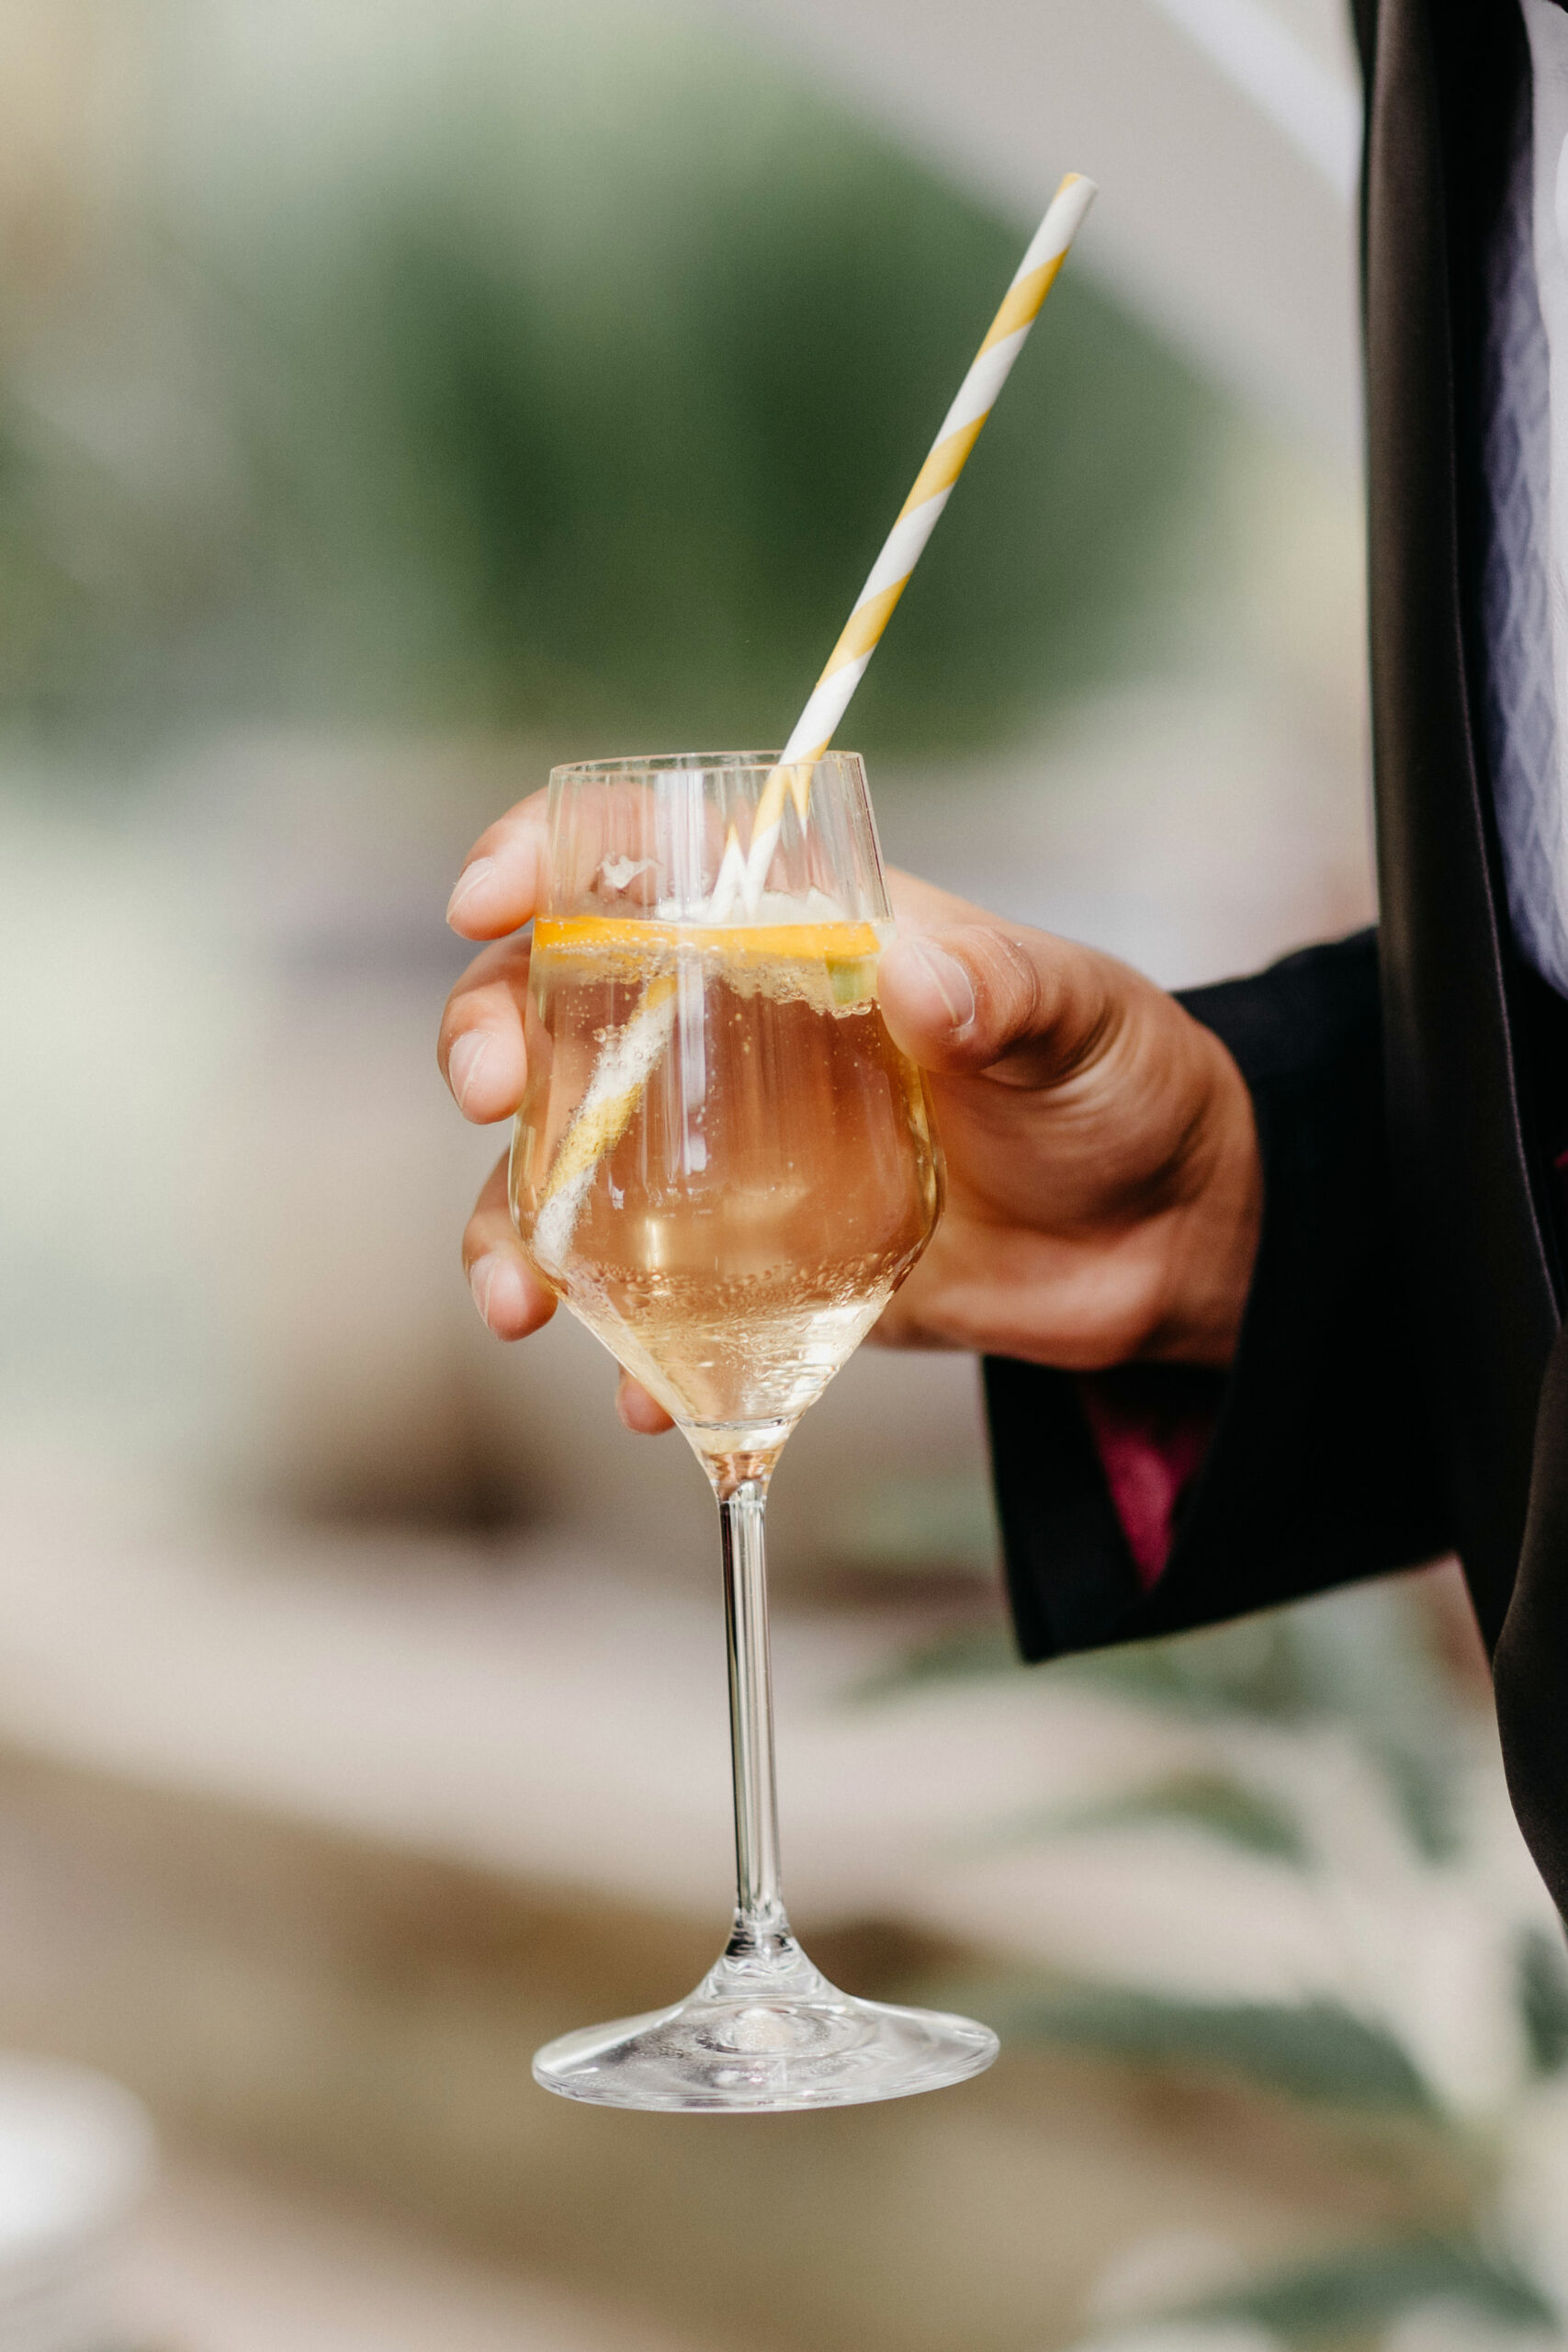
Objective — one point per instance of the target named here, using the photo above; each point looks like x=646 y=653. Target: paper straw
x=614 y=1090
x=889 y=575
x=627 y=1061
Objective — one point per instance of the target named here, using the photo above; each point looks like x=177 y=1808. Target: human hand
x=1104 y=1185
x=1105 y=1190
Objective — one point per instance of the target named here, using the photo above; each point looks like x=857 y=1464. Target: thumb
x=976 y=996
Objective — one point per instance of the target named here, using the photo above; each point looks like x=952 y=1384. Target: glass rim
x=637 y=763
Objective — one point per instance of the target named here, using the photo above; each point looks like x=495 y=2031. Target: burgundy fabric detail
x=1150 y=1447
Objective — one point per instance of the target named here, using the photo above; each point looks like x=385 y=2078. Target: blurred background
x=394 y=400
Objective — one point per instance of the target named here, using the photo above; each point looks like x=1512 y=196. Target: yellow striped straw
x=889 y=575
x=614 y=1088
x=628 y=1060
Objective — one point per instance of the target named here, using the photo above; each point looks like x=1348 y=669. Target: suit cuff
x=1321 y=1466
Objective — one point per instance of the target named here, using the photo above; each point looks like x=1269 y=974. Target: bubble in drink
x=722 y=1162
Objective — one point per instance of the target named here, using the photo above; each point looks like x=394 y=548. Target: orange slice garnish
x=827 y=943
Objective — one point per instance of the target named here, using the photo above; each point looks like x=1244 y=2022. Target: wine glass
x=724 y=1167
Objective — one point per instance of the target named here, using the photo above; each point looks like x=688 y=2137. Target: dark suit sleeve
x=1321 y=1467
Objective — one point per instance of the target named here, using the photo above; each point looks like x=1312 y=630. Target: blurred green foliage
x=1371 y=1676
x=1543 y=2000
x=1364 y=1657
x=569 y=388
x=1315 y=2051
x=1348 y=2299
x=1218 y=1803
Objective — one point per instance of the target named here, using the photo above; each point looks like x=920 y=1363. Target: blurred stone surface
x=234 y=2261
x=313 y=1841
x=349 y=2016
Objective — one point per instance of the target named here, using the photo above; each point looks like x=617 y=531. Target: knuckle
x=1021 y=992
x=451 y=1019
x=1007 y=993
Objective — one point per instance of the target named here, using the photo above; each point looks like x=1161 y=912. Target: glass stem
x=761 y=1928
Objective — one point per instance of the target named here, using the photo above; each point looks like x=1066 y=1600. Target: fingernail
x=481 y=1281
x=493 y=1279
x=467 y=881
x=463 y=1063
x=949 y=982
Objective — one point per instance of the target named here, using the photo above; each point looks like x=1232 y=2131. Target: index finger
x=503 y=875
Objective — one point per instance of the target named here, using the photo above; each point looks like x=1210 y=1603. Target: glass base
x=763 y=2034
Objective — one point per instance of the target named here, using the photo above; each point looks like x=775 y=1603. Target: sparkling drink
x=725 y=1166
x=737 y=1202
